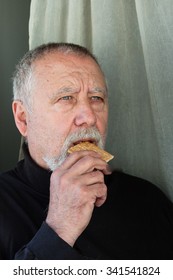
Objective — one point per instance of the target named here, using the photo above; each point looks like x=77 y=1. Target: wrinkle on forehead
x=65 y=61
x=69 y=73
x=71 y=90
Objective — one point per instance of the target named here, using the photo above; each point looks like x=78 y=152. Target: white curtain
x=133 y=40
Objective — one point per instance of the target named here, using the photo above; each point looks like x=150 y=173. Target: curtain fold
x=134 y=44
x=156 y=28
x=64 y=25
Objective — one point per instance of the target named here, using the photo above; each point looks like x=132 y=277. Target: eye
x=68 y=97
x=97 y=98
x=66 y=101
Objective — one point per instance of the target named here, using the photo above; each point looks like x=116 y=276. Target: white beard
x=81 y=134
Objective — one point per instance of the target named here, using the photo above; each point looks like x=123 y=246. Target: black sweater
x=135 y=222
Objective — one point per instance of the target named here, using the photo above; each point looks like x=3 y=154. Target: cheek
x=36 y=126
x=102 y=120
x=50 y=130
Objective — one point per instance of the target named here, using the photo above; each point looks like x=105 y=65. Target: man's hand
x=75 y=188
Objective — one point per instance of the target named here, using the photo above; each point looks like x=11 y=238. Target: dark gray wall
x=14 y=18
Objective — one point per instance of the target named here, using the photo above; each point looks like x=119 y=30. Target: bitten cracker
x=87 y=146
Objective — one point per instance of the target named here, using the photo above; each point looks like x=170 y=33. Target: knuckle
x=83 y=191
x=98 y=175
x=59 y=178
x=104 y=188
x=64 y=179
x=89 y=159
x=101 y=176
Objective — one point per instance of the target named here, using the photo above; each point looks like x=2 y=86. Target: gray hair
x=23 y=75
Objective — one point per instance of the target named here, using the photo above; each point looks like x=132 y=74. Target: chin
x=54 y=162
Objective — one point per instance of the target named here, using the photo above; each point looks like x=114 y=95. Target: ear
x=20 y=116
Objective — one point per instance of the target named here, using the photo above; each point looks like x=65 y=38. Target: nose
x=85 y=115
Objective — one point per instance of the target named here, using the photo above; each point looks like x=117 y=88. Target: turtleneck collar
x=34 y=176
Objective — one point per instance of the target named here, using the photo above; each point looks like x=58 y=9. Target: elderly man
x=59 y=206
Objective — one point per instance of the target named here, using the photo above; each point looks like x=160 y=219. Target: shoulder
x=8 y=181
x=128 y=181
x=11 y=188
x=138 y=199
x=135 y=189
x=11 y=177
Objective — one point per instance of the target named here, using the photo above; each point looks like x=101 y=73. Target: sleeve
x=47 y=245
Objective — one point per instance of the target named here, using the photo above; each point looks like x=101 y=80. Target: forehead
x=60 y=64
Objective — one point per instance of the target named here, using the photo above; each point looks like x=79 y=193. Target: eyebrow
x=62 y=90
x=75 y=90
x=66 y=89
x=99 y=90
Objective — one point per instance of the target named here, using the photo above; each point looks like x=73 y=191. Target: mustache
x=77 y=136
x=83 y=134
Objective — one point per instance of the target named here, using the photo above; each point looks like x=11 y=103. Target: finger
x=76 y=156
x=91 y=178
x=98 y=193
x=100 y=201
x=89 y=163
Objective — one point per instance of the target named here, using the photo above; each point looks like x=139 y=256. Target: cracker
x=87 y=146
